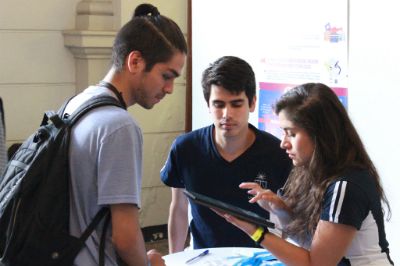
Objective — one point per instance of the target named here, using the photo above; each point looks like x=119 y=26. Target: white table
x=216 y=257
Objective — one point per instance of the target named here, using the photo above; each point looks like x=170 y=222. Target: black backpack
x=34 y=195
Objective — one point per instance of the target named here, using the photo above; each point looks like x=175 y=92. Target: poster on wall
x=287 y=43
x=314 y=49
x=270 y=93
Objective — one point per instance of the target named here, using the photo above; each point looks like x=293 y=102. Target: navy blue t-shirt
x=195 y=164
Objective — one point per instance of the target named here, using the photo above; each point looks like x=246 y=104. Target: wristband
x=257 y=234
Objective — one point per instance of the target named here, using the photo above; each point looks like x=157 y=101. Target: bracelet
x=257 y=234
x=262 y=237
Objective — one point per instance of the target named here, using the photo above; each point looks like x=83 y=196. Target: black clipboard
x=233 y=210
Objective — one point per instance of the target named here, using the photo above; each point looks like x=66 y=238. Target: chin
x=147 y=106
x=298 y=164
x=229 y=134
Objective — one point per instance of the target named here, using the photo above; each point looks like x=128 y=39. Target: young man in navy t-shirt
x=215 y=159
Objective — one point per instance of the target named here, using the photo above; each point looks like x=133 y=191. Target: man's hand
x=155 y=258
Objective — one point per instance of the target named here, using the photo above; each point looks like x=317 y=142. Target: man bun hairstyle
x=146 y=10
x=155 y=36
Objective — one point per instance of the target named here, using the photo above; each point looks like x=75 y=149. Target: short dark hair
x=233 y=74
x=155 y=36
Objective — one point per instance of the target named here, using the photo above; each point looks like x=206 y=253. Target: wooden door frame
x=188 y=118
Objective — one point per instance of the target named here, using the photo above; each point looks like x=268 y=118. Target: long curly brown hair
x=338 y=147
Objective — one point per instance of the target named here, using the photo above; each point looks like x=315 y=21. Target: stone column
x=91 y=41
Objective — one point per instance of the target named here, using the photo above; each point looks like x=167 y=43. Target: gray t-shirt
x=106 y=168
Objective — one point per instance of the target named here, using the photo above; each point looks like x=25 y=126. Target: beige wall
x=38 y=72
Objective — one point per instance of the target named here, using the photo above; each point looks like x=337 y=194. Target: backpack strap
x=60 y=111
x=2 y=114
x=103 y=212
x=88 y=231
x=91 y=104
x=103 y=240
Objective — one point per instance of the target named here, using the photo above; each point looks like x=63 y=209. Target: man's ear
x=253 y=104
x=135 y=62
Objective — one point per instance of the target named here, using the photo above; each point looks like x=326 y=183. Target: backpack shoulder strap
x=60 y=111
x=2 y=112
x=103 y=212
x=96 y=220
x=91 y=104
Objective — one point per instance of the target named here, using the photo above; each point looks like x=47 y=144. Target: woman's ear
x=135 y=62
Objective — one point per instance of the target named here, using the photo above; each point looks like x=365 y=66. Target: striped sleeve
x=345 y=203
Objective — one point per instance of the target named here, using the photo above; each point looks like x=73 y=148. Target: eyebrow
x=176 y=74
x=237 y=101
x=289 y=128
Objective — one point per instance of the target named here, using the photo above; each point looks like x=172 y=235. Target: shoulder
x=194 y=137
x=107 y=121
x=350 y=197
x=354 y=180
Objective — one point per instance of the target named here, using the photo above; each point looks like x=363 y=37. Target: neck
x=120 y=83
x=231 y=148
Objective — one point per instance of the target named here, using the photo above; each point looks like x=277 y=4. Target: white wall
x=374 y=75
x=374 y=94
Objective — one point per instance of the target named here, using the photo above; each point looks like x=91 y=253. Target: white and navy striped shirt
x=353 y=200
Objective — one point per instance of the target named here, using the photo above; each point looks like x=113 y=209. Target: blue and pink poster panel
x=270 y=93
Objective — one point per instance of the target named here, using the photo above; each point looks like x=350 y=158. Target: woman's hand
x=246 y=227
x=267 y=199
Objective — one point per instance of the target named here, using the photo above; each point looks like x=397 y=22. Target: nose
x=226 y=111
x=285 y=143
x=169 y=87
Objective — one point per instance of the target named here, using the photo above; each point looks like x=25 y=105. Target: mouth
x=291 y=156
x=159 y=98
x=227 y=125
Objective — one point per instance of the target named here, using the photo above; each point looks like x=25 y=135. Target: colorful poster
x=269 y=94
x=314 y=49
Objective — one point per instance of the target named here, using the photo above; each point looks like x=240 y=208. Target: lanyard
x=113 y=89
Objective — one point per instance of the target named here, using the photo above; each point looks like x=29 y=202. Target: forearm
x=286 y=252
x=177 y=221
x=126 y=234
x=134 y=254
x=177 y=231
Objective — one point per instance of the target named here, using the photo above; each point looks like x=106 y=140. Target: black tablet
x=243 y=214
